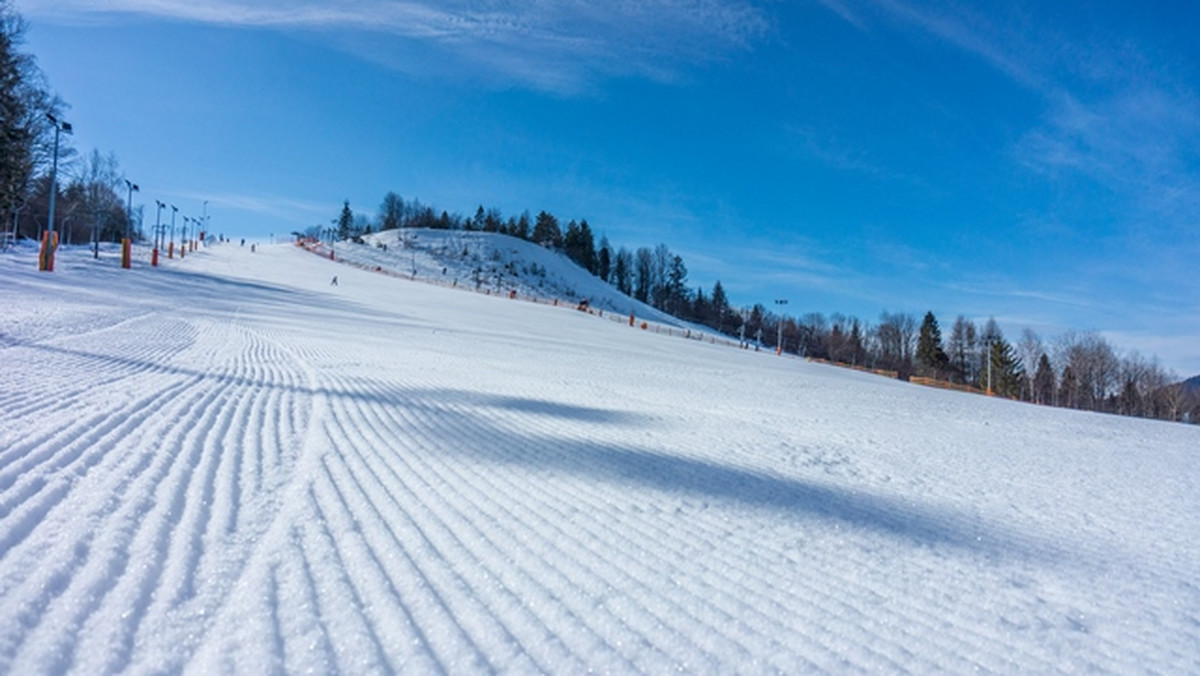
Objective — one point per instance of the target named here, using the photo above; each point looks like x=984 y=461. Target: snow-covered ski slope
x=227 y=465
x=488 y=261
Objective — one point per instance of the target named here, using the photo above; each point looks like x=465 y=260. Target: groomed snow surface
x=226 y=464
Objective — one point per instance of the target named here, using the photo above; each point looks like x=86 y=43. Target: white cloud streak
x=1112 y=113
x=556 y=45
x=263 y=205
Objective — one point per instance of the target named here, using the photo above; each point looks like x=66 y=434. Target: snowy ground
x=491 y=262
x=228 y=465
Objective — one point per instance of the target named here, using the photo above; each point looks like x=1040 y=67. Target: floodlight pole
x=46 y=260
x=779 y=339
x=133 y=187
x=989 y=363
x=157 y=232
x=96 y=233
x=127 y=243
x=171 y=248
x=158 y=222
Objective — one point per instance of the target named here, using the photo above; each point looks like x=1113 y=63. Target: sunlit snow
x=228 y=464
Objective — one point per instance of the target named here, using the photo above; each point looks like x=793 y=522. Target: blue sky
x=1039 y=162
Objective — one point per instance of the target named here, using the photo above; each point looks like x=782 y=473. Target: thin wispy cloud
x=835 y=153
x=552 y=45
x=265 y=205
x=1115 y=113
x=1146 y=140
x=998 y=45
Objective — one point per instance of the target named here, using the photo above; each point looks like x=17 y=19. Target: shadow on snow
x=674 y=473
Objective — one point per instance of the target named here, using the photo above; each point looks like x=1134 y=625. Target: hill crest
x=493 y=261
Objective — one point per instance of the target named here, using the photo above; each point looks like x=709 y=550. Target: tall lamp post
x=157 y=232
x=990 y=342
x=779 y=338
x=127 y=243
x=171 y=247
x=46 y=259
x=96 y=233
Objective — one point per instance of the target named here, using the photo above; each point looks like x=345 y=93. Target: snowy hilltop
x=491 y=261
x=228 y=464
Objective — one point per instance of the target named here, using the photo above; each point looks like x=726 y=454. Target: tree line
x=90 y=205
x=1075 y=370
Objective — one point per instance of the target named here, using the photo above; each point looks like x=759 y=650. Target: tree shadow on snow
x=483 y=440
x=906 y=519
x=433 y=400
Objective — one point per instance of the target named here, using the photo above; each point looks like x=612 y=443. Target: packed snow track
x=227 y=464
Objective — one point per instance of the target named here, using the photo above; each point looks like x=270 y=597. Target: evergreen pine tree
x=520 y=227
x=570 y=241
x=676 y=293
x=345 y=222
x=604 y=260
x=701 y=308
x=623 y=271
x=931 y=358
x=579 y=245
x=721 y=311
x=643 y=274
x=1005 y=368
x=1043 y=382
x=546 y=231
x=492 y=222
x=754 y=325
x=621 y=275
x=587 y=247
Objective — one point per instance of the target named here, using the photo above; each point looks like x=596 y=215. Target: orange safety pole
x=154 y=258
x=46 y=254
x=126 y=253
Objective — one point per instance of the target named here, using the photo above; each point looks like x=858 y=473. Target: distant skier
x=333 y=282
